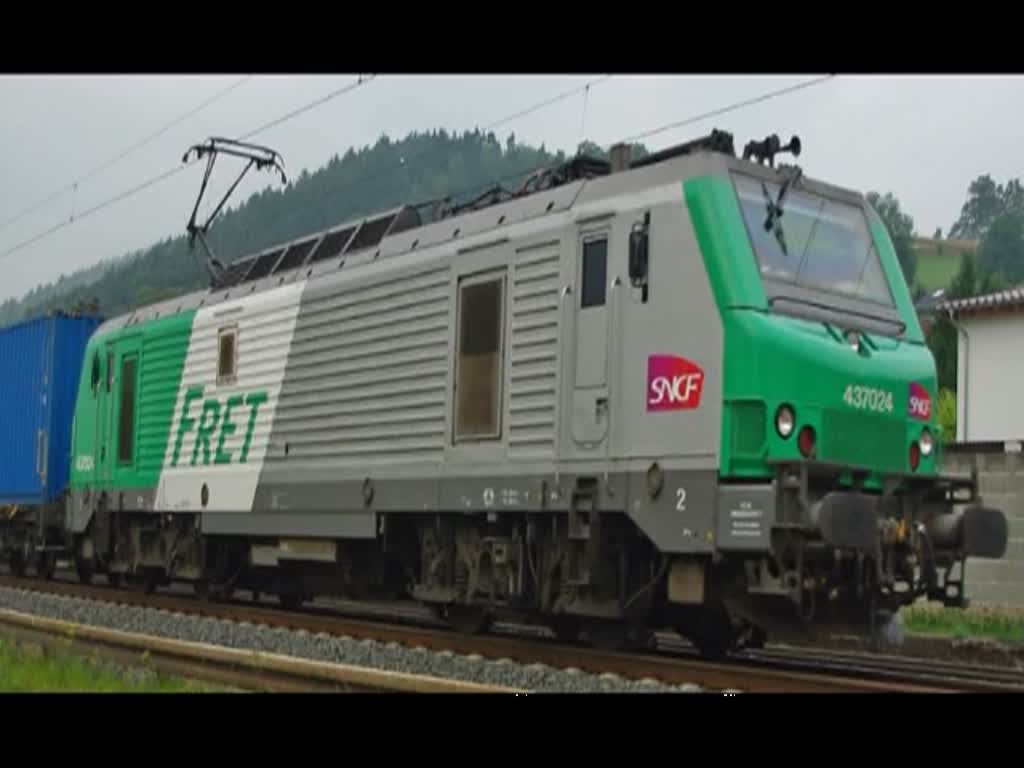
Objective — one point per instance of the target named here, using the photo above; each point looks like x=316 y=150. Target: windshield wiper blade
x=772 y=222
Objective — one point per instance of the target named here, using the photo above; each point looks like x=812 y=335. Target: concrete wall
x=1001 y=478
x=990 y=378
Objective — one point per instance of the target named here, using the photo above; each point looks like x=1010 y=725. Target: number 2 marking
x=680 y=499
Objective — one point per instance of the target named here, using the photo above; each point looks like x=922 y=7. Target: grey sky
x=923 y=138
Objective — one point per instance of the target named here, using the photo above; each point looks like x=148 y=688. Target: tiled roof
x=1013 y=297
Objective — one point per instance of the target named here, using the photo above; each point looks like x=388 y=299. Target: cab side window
x=595 y=273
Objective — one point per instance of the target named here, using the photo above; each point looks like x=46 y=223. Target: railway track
x=237 y=669
x=796 y=670
x=942 y=674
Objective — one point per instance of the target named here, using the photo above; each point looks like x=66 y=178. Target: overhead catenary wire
x=73 y=186
x=175 y=170
x=361 y=80
x=95 y=209
x=583 y=118
x=405 y=162
x=652 y=132
x=278 y=121
x=729 y=108
x=585 y=88
x=686 y=121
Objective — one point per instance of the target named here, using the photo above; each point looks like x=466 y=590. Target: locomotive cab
x=837 y=511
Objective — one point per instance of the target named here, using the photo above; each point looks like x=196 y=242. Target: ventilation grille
x=371 y=233
x=295 y=255
x=332 y=245
x=533 y=357
x=234 y=273
x=263 y=266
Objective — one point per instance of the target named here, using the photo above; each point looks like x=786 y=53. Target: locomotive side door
x=104 y=409
x=122 y=442
x=590 y=405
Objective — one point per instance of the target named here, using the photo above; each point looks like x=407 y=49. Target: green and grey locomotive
x=686 y=391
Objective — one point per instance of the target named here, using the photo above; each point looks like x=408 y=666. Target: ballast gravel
x=394 y=657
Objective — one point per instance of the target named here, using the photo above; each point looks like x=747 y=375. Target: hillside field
x=939 y=260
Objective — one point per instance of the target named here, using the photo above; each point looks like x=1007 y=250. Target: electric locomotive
x=688 y=390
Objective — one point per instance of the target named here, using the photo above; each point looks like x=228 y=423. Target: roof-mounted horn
x=768 y=148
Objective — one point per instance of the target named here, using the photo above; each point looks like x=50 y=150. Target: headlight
x=927 y=443
x=784 y=421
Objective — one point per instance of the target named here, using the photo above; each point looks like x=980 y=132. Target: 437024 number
x=868 y=398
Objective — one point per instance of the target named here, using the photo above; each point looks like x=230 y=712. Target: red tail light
x=805 y=440
x=915 y=455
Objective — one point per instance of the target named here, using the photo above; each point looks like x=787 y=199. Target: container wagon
x=40 y=366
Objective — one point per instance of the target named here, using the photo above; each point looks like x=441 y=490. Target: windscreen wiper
x=772 y=222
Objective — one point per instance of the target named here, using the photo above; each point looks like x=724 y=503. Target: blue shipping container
x=40 y=365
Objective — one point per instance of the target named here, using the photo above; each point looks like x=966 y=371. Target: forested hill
x=420 y=167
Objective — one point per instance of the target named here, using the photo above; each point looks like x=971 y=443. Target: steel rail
x=247 y=670
x=673 y=668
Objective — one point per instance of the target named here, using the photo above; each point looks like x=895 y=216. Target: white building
x=990 y=366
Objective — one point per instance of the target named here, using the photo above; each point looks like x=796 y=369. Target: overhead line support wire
x=73 y=186
x=177 y=169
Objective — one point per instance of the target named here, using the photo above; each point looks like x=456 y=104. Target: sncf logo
x=673 y=383
x=920 y=402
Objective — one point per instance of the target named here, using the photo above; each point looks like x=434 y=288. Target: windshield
x=824 y=244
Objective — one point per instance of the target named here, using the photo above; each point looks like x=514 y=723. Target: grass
x=977 y=621
x=936 y=269
x=32 y=669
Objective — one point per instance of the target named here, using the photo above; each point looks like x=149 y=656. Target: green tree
x=986 y=202
x=945 y=414
x=1002 y=249
x=971 y=280
x=901 y=231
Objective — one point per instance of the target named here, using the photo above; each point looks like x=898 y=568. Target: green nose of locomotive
x=848 y=398
x=828 y=395
x=824 y=357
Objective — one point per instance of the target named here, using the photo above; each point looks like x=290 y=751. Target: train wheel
x=291 y=601
x=46 y=564
x=566 y=628
x=147 y=582
x=468 y=619
x=709 y=628
x=608 y=635
x=206 y=591
x=116 y=580
x=16 y=562
x=84 y=570
x=756 y=639
x=712 y=645
x=712 y=636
